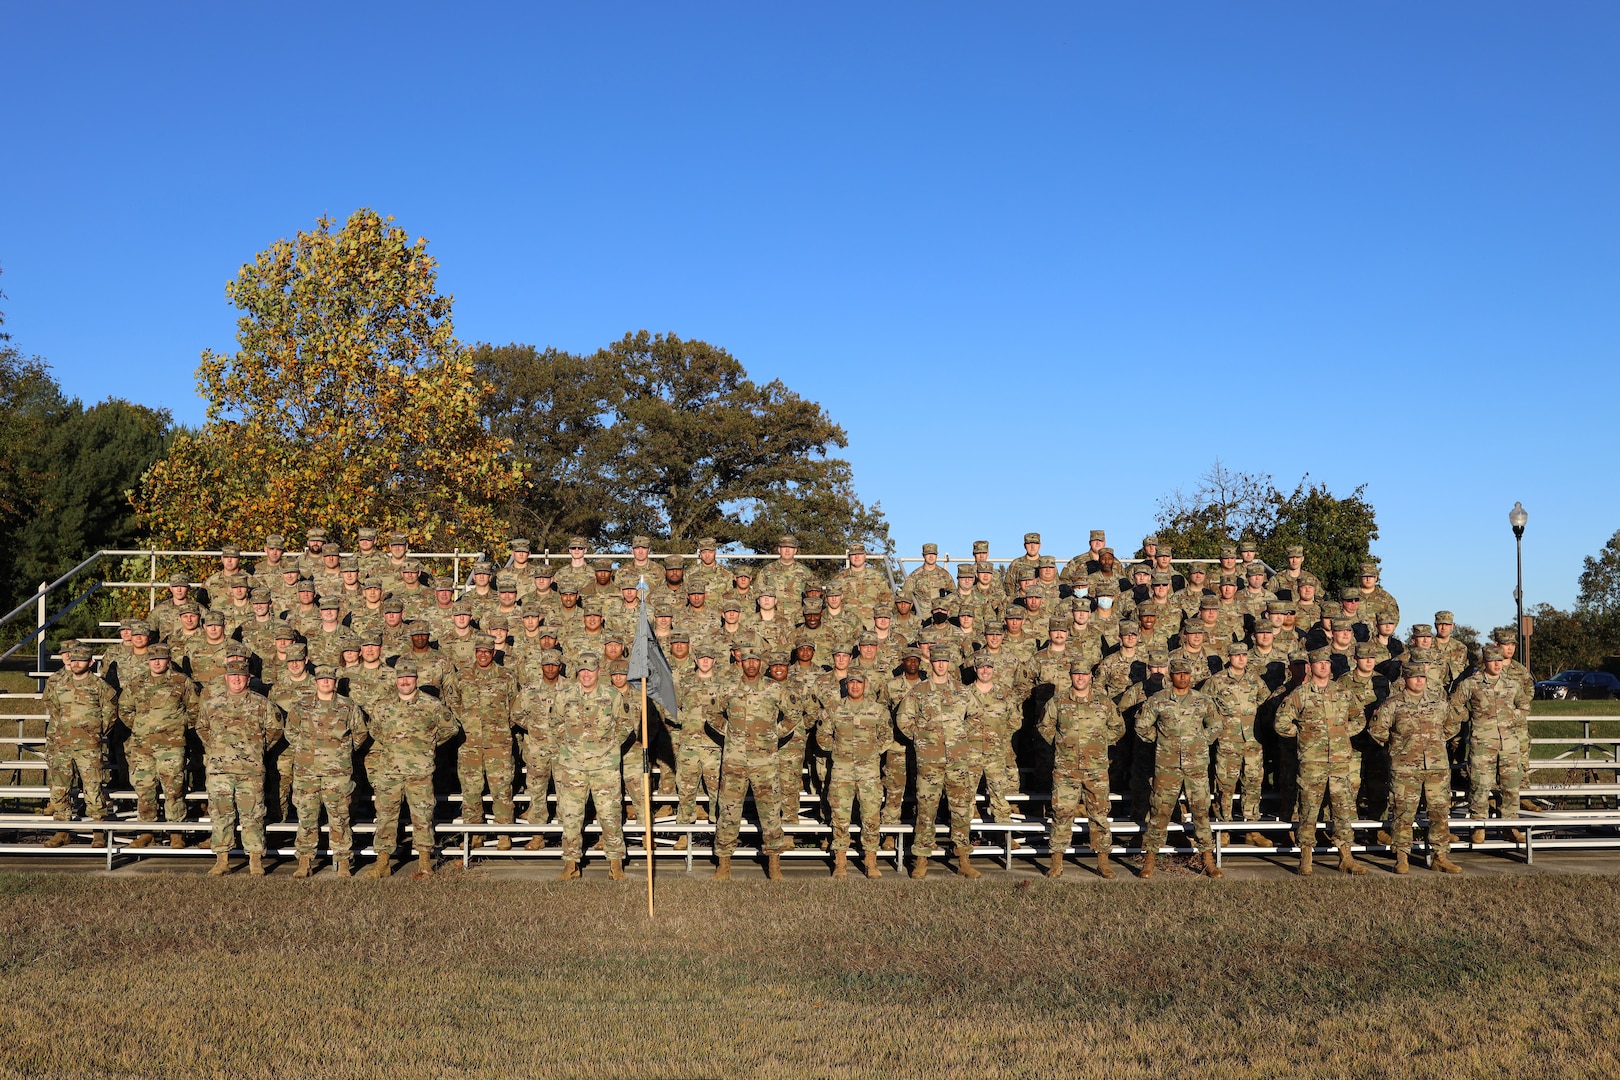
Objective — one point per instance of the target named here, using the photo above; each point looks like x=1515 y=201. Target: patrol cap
x=483 y=566
x=371 y=637
x=704 y=649
x=305 y=585
x=981 y=545
x=230 y=551
x=620 y=666
x=882 y=611
x=1079 y=667
x=1264 y=626
x=159 y=651
x=530 y=611
x=930 y=549
x=593 y=606
x=1026 y=573
x=1107 y=588
x=236 y=648
x=297 y=651
x=1255 y=570
x=1414 y=671
x=939 y=603
x=1347 y=595
x=506 y=584
x=1193 y=626
x=770 y=592
x=1444 y=617
x=1047 y=560
x=315 y=534
x=398 y=538
x=641 y=541
x=1032 y=538
x=1246 y=543
x=547 y=632
x=237 y=665
x=214 y=618
x=1422 y=629
x=1099 y=534
x=1276 y=607
x=984 y=659
x=1491 y=652
x=517 y=543
x=484 y=641
x=393 y=603
x=964 y=570
x=853 y=548
x=461 y=607
x=747 y=650
x=1229 y=579
x=326 y=671
x=1318 y=655
x=840 y=647
x=284 y=632
x=1229 y=551
x=331 y=603
x=588 y=661
x=787 y=540
x=411 y=566
x=1297 y=657
x=191 y=607
x=140 y=626
x=731 y=603
x=1150 y=541
x=418 y=628
x=1294 y=551
x=1208 y=603
x=1369 y=569
x=1420 y=655
x=1179 y=666
x=1157 y=579
x=743 y=570
x=1503 y=636
x=1143 y=570
x=404 y=669
x=544 y=569
x=348 y=563
x=568 y=588
x=947 y=653
x=1058 y=622
x=1130 y=626
x=1384 y=617
x=179 y=579
x=372 y=582
x=578 y=542
x=678 y=636
x=813 y=606
x=663 y=609
x=833 y=590
x=275 y=542
x=1366 y=650
x=708 y=543
x=1238 y=649
x=674 y=562
x=551 y=657
x=79 y=652
x=855 y=675
x=1158 y=657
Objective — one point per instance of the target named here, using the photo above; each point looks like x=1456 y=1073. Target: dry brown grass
x=468 y=976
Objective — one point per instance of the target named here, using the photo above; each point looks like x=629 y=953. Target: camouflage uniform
x=158 y=710
x=406 y=734
x=1322 y=720
x=592 y=726
x=292 y=698
x=1415 y=728
x=484 y=700
x=856 y=733
x=934 y=716
x=1491 y=705
x=1181 y=728
x=322 y=740
x=698 y=704
x=536 y=714
x=926 y=582
x=1080 y=729
x=753 y=723
x=1238 y=756
x=1000 y=710
x=236 y=730
x=79 y=711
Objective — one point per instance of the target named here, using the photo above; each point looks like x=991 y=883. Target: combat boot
x=1211 y=869
x=840 y=865
x=919 y=868
x=570 y=870
x=146 y=839
x=1445 y=865
x=1347 y=862
x=1055 y=870
x=629 y=813
x=616 y=869
x=664 y=813
x=98 y=839
x=964 y=866
x=1148 y=859
x=1257 y=839
x=304 y=867
x=255 y=865
x=1477 y=836
x=1305 y=854
x=722 y=870
x=424 y=863
x=1103 y=869
x=503 y=843
x=682 y=843
x=1384 y=839
x=773 y=866
x=870 y=866
x=177 y=840
x=536 y=842
x=475 y=841
x=58 y=840
x=383 y=866
x=888 y=843
x=1402 y=864
x=1516 y=835
x=222 y=865
x=340 y=867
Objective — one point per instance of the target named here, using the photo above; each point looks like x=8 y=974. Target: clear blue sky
x=1044 y=263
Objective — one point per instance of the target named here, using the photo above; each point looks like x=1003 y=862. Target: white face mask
x=1105 y=602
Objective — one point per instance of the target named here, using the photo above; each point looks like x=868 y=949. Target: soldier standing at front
x=1180 y=723
x=856 y=731
x=593 y=721
x=158 y=705
x=1415 y=727
x=1081 y=726
x=406 y=733
x=321 y=740
x=237 y=728
x=1321 y=716
x=754 y=722
x=80 y=708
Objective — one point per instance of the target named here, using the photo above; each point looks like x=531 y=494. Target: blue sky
x=1044 y=267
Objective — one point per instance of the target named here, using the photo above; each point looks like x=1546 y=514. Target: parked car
x=1560 y=686
x=1598 y=685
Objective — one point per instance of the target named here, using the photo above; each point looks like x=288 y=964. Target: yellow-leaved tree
x=348 y=402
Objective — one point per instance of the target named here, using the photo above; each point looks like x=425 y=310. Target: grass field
x=468 y=976
x=1575 y=708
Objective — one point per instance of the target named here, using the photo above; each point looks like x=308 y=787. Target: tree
x=348 y=402
x=658 y=435
x=1336 y=533
x=1600 y=580
x=1582 y=639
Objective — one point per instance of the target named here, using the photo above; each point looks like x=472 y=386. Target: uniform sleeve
x=1147 y=728
x=446 y=726
x=1382 y=719
x=1212 y=721
x=905 y=717
x=1287 y=715
x=274 y=725
x=1048 y=725
x=1115 y=724
x=190 y=702
x=1356 y=715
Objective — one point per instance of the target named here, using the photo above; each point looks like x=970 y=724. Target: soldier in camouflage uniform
x=754 y=722
x=593 y=722
x=934 y=716
x=929 y=580
x=484 y=698
x=700 y=696
x=158 y=706
x=80 y=709
x=1322 y=717
x=1238 y=694
x=855 y=731
x=785 y=575
x=322 y=740
x=1081 y=726
x=406 y=731
x=865 y=586
x=292 y=693
x=1490 y=701
x=1415 y=727
x=999 y=707
x=237 y=727
x=537 y=715
x=1181 y=723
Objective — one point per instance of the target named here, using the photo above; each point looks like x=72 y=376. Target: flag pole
x=646 y=773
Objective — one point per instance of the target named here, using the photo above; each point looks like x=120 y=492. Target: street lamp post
x=1517 y=518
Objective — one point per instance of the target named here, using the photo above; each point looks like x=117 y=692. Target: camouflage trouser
x=1167 y=788
x=1072 y=789
x=604 y=787
x=630 y=775
x=232 y=799
x=697 y=769
x=150 y=768
x=1142 y=760
x=539 y=762
x=735 y=780
x=1433 y=786
x=1489 y=769
x=1235 y=763
x=1000 y=781
x=1315 y=782
x=957 y=783
x=790 y=777
x=894 y=783
x=392 y=794
x=310 y=793
x=61 y=766
x=473 y=766
x=852 y=779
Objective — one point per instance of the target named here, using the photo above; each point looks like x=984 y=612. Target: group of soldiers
x=288 y=688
